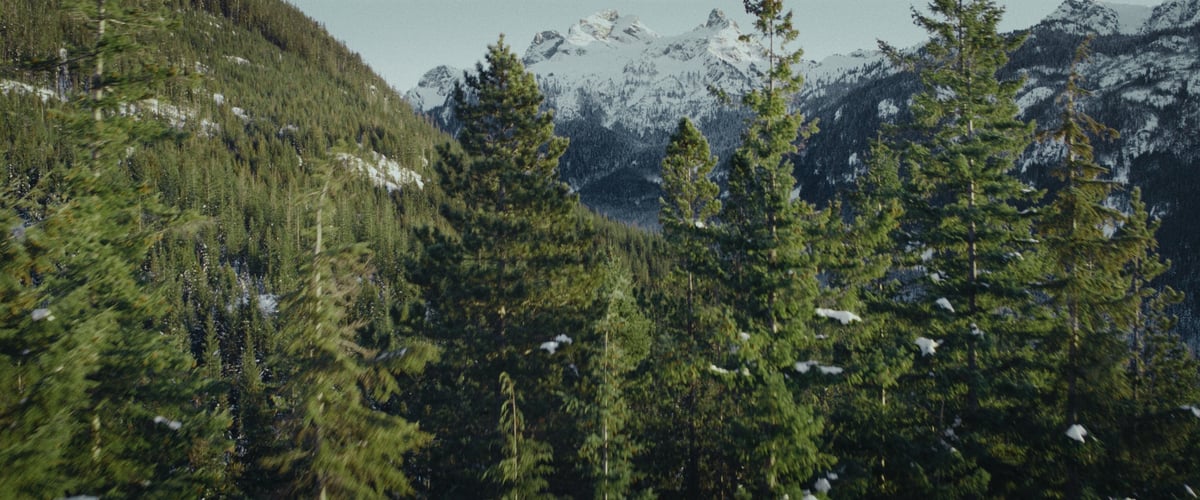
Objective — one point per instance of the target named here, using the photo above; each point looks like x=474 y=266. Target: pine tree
x=105 y=400
x=511 y=278
x=615 y=344
x=857 y=266
x=967 y=218
x=522 y=473
x=1158 y=433
x=1085 y=290
x=770 y=281
x=338 y=443
x=694 y=330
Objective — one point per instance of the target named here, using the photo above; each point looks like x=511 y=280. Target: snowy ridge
x=1173 y=14
x=633 y=78
x=1082 y=17
x=45 y=94
x=636 y=79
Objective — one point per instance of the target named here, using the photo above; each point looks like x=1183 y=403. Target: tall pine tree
x=1086 y=347
x=105 y=401
x=966 y=218
x=769 y=279
x=694 y=329
x=338 y=442
x=511 y=278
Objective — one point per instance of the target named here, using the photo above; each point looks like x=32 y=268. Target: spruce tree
x=338 y=442
x=694 y=330
x=859 y=324
x=511 y=276
x=769 y=279
x=615 y=344
x=1085 y=348
x=967 y=219
x=1158 y=433
x=105 y=401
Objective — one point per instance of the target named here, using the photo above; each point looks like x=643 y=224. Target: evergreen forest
x=234 y=263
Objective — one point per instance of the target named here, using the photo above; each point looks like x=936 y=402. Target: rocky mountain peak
x=1083 y=17
x=718 y=20
x=1173 y=14
x=609 y=26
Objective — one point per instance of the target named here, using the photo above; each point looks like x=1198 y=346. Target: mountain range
x=618 y=89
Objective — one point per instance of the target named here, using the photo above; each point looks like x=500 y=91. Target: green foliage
x=340 y=445
x=967 y=218
x=616 y=343
x=770 y=280
x=201 y=294
x=691 y=196
x=104 y=398
x=1086 y=290
x=693 y=332
x=857 y=259
x=526 y=461
x=510 y=278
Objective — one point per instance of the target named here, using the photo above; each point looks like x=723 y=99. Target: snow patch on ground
x=928 y=346
x=887 y=109
x=384 y=171
x=1149 y=97
x=7 y=86
x=806 y=366
x=41 y=314
x=846 y=317
x=171 y=424
x=1034 y=97
x=1077 y=432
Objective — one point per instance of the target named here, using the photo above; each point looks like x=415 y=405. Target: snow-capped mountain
x=1084 y=16
x=634 y=78
x=618 y=89
x=1177 y=14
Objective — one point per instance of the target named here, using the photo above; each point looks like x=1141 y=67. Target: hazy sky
x=402 y=39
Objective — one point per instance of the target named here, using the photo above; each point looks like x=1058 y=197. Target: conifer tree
x=1158 y=434
x=860 y=325
x=966 y=218
x=526 y=463
x=615 y=344
x=512 y=277
x=1086 y=291
x=338 y=442
x=769 y=279
x=694 y=331
x=105 y=402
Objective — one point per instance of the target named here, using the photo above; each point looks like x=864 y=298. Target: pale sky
x=402 y=39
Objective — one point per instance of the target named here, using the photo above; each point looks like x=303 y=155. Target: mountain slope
x=258 y=108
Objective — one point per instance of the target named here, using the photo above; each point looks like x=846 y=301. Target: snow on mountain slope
x=614 y=66
x=1173 y=14
x=1081 y=17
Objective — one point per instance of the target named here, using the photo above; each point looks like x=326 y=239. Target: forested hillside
x=212 y=208
x=233 y=263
